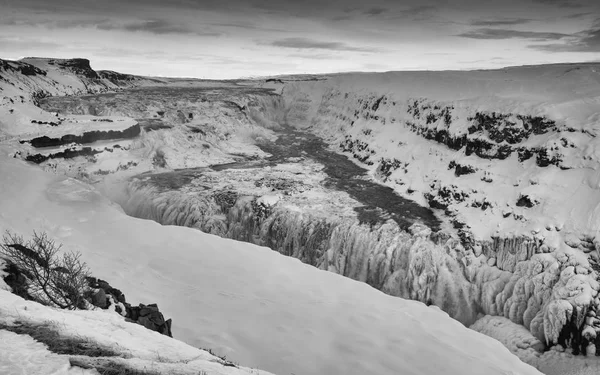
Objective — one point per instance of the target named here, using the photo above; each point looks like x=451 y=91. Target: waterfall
x=538 y=291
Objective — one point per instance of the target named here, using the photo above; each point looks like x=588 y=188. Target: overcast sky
x=234 y=38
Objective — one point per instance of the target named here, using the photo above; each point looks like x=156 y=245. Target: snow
x=269 y=200
x=22 y=355
x=3 y=274
x=77 y=125
x=257 y=307
x=566 y=93
x=272 y=312
x=516 y=338
x=140 y=348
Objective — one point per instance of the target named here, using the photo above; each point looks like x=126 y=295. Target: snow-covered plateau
x=472 y=193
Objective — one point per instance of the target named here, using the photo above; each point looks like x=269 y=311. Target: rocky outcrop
x=79 y=67
x=100 y=294
x=68 y=153
x=149 y=316
x=86 y=137
x=16 y=279
x=35 y=78
x=20 y=67
x=120 y=79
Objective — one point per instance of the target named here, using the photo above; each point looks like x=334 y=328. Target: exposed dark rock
x=99 y=299
x=387 y=166
x=356 y=147
x=17 y=281
x=487 y=150
x=21 y=67
x=87 y=137
x=225 y=199
x=524 y=154
x=375 y=106
x=150 y=317
x=570 y=337
x=498 y=128
x=30 y=70
x=261 y=210
x=490 y=136
x=274 y=80
x=66 y=154
x=118 y=79
x=51 y=123
x=460 y=169
x=526 y=201
x=444 y=196
x=147 y=315
x=80 y=67
x=543 y=160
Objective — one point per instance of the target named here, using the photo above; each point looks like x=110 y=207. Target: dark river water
x=380 y=202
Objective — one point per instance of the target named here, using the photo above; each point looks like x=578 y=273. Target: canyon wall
x=500 y=168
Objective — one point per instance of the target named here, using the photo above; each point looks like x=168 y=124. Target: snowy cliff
x=510 y=156
x=244 y=301
x=484 y=163
x=453 y=141
x=24 y=82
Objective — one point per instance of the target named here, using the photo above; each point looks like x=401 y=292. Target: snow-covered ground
x=134 y=346
x=375 y=110
x=257 y=307
x=521 y=342
x=273 y=312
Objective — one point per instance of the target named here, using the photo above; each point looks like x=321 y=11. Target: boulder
x=17 y=281
x=150 y=317
x=99 y=299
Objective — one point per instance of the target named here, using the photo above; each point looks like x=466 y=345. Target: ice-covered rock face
x=499 y=173
x=499 y=166
x=502 y=157
x=554 y=295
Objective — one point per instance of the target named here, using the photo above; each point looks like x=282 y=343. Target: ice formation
x=533 y=276
x=500 y=157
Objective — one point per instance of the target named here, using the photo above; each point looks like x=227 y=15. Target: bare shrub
x=56 y=278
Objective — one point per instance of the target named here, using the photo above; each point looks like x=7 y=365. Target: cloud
x=315 y=56
x=561 y=3
x=587 y=41
x=376 y=11
x=153 y=26
x=577 y=15
x=157 y=26
x=307 y=43
x=497 y=34
x=245 y=26
x=402 y=12
x=419 y=12
x=501 y=21
x=25 y=43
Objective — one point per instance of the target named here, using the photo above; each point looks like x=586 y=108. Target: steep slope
x=468 y=157
x=24 y=82
x=509 y=156
x=248 y=302
x=198 y=123
x=125 y=347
